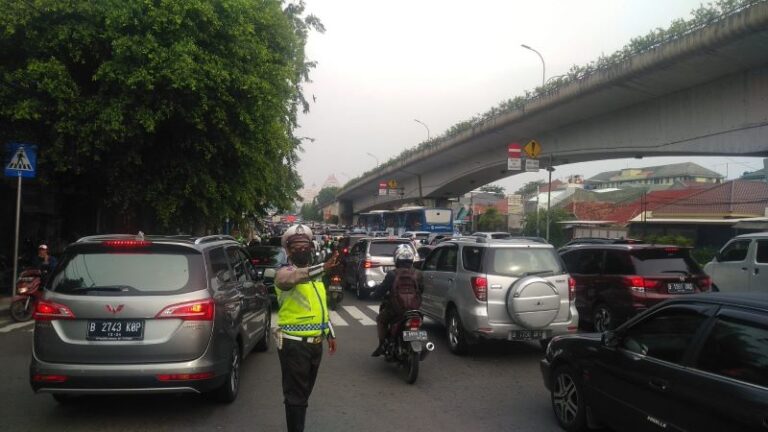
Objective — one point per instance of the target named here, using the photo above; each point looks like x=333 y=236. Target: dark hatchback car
x=131 y=314
x=616 y=281
x=695 y=363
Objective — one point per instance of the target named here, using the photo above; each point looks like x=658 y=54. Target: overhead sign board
x=514 y=153
x=383 y=188
x=20 y=160
x=532 y=149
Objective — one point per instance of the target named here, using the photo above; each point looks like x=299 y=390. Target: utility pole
x=550 y=168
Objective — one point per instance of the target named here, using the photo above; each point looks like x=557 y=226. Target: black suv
x=693 y=363
x=616 y=281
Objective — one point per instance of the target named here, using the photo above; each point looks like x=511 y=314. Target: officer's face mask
x=301 y=257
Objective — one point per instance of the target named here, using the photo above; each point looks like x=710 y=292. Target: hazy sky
x=382 y=64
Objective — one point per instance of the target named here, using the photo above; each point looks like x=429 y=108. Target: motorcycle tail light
x=47 y=311
x=336 y=280
x=414 y=323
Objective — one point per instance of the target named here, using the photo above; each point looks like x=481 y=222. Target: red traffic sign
x=514 y=150
x=382 y=185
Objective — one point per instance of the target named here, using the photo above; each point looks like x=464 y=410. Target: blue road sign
x=20 y=160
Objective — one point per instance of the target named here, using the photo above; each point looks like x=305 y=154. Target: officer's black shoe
x=379 y=350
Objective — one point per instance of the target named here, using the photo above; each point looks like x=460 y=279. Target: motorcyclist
x=388 y=314
x=45 y=263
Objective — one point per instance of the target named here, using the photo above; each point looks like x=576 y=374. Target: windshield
x=520 y=262
x=129 y=273
x=663 y=261
x=386 y=248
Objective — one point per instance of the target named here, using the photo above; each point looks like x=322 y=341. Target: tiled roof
x=622 y=211
x=685 y=169
x=737 y=198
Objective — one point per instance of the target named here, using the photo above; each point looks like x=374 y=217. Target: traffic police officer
x=302 y=321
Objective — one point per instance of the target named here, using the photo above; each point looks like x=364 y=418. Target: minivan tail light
x=571 y=289
x=480 y=287
x=126 y=244
x=641 y=285
x=198 y=310
x=704 y=283
x=48 y=311
x=370 y=264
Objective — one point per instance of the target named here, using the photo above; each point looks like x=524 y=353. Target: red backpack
x=405 y=291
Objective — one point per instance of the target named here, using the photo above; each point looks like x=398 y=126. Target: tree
x=491 y=220
x=496 y=189
x=326 y=196
x=556 y=232
x=310 y=212
x=182 y=111
x=529 y=188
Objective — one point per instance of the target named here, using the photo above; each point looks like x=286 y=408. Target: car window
x=126 y=273
x=267 y=255
x=762 y=251
x=571 y=258
x=518 y=262
x=472 y=258
x=447 y=261
x=238 y=264
x=218 y=264
x=380 y=248
x=617 y=263
x=738 y=349
x=664 y=260
x=589 y=262
x=431 y=263
x=501 y=236
x=735 y=251
x=665 y=335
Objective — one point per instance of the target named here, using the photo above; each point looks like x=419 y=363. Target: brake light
x=571 y=289
x=185 y=376
x=480 y=287
x=336 y=279
x=671 y=250
x=345 y=251
x=255 y=261
x=47 y=378
x=414 y=323
x=641 y=285
x=47 y=311
x=126 y=244
x=367 y=264
x=199 y=310
x=704 y=283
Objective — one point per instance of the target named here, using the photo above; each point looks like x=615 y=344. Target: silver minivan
x=741 y=265
x=126 y=314
x=514 y=290
x=369 y=261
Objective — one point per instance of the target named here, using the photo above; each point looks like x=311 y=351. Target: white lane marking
x=374 y=308
x=30 y=330
x=337 y=320
x=273 y=319
x=359 y=315
x=11 y=327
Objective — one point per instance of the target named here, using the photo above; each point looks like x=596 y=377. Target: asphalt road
x=496 y=388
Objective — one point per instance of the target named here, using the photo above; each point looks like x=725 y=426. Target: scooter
x=408 y=345
x=28 y=293
x=335 y=292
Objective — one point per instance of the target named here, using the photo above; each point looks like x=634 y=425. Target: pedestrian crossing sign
x=21 y=160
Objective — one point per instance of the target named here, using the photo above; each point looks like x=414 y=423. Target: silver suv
x=514 y=290
x=126 y=314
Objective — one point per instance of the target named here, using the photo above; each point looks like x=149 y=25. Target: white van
x=741 y=265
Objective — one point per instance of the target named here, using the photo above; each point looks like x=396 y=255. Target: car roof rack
x=213 y=238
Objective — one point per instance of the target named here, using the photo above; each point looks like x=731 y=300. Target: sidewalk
x=5 y=305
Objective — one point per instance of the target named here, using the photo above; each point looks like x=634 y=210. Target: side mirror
x=610 y=339
x=269 y=274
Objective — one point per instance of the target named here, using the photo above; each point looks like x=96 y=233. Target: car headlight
x=23 y=289
x=371 y=284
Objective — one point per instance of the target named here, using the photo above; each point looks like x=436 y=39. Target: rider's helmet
x=295 y=234
x=403 y=256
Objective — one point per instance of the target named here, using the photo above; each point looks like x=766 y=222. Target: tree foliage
x=184 y=109
x=326 y=196
x=493 y=188
x=529 y=188
x=491 y=220
x=310 y=212
x=556 y=232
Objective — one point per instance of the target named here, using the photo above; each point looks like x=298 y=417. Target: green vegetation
x=491 y=220
x=556 y=233
x=180 y=113
x=701 y=17
x=529 y=188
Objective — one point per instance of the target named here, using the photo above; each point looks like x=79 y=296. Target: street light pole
x=374 y=157
x=543 y=65
x=550 y=168
x=423 y=124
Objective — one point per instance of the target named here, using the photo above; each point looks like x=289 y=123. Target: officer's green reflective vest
x=303 y=310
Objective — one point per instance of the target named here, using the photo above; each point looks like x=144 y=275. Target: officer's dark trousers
x=299 y=362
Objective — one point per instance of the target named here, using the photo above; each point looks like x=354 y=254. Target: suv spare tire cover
x=533 y=302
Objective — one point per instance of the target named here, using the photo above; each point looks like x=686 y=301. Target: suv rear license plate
x=680 y=288
x=334 y=288
x=420 y=335
x=524 y=335
x=115 y=330
x=387 y=268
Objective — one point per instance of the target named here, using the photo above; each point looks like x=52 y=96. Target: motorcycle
x=335 y=292
x=28 y=293
x=407 y=345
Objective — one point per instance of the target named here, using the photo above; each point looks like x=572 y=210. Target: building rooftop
x=685 y=169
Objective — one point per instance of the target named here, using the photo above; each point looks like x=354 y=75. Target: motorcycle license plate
x=525 y=335
x=115 y=330
x=335 y=288
x=419 y=335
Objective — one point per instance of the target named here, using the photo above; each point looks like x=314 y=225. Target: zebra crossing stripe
x=374 y=308
x=337 y=320
x=359 y=315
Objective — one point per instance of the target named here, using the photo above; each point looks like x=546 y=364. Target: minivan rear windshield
x=384 y=248
x=663 y=261
x=267 y=256
x=520 y=262
x=129 y=273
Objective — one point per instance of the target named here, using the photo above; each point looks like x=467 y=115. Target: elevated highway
x=705 y=93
